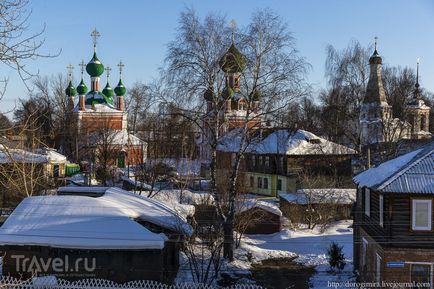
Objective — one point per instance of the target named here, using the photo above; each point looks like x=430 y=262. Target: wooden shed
x=84 y=233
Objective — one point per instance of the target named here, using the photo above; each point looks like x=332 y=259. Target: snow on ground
x=309 y=245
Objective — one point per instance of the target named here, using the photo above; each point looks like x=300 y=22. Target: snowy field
x=308 y=247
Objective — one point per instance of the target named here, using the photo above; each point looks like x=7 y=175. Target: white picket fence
x=48 y=283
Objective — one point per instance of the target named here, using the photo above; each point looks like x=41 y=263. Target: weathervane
x=108 y=69
x=233 y=27
x=82 y=66
x=95 y=35
x=417 y=73
x=121 y=67
x=70 y=69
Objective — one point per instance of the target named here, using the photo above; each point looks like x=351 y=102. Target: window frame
x=265 y=183
x=381 y=210
x=365 y=244
x=259 y=183
x=367 y=202
x=413 y=215
x=378 y=268
x=279 y=184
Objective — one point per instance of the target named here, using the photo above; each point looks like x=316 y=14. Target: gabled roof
x=79 y=221
x=409 y=173
x=285 y=142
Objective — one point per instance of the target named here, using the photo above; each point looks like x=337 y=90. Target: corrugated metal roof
x=415 y=176
x=418 y=177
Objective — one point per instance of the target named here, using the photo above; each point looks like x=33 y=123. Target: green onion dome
x=70 y=90
x=82 y=88
x=108 y=91
x=95 y=68
x=120 y=90
x=233 y=60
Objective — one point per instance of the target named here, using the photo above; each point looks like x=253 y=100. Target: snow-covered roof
x=409 y=173
x=285 y=142
x=8 y=155
x=248 y=203
x=79 y=221
x=122 y=137
x=327 y=195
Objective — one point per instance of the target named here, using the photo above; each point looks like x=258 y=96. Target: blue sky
x=138 y=31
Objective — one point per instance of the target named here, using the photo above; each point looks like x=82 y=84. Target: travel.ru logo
x=57 y=264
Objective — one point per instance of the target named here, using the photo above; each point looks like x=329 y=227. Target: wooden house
x=93 y=232
x=393 y=225
x=275 y=160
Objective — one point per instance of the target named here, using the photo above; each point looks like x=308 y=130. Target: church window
x=422 y=122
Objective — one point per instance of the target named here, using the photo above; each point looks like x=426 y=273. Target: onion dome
x=108 y=91
x=70 y=90
x=120 y=89
x=375 y=58
x=82 y=88
x=256 y=96
x=209 y=94
x=233 y=60
x=95 y=68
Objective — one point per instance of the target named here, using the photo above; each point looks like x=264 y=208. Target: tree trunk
x=228 y=247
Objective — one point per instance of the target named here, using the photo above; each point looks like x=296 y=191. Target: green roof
x=120 y=89
x=96 y=97
x=233 y=60
x=70 y=90
x=95 y=68
x=108 y=91
x=82 y=88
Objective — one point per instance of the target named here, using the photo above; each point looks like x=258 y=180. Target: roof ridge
x=406 y=168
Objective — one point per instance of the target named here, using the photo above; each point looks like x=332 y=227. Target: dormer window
x=421 y=215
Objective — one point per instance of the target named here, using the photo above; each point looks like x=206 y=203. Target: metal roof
x=415 y=176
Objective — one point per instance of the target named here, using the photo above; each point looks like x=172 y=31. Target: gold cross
x=70 y=69
x=121 y=67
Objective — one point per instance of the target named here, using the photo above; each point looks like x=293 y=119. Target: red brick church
x=99 y=116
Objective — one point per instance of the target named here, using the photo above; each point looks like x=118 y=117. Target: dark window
x=421 y=275
x=252 y=181
x=260 y=182
x=265 y=183
x=267 y=161
x=279 y=184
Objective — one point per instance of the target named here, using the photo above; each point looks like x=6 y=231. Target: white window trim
x=413 y=215
x=378 y=268
x=423 y=263
x=364 y=252
x=367 y=202
x=381 y=210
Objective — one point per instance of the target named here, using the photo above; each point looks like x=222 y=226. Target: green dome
x=70 y=90
x=95 y=68
x=120 y=90
x=82 y=88
x=108 y=91
x=233 y=60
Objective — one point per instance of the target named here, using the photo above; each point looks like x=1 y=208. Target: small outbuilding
x=258 y=217
x=93 y=232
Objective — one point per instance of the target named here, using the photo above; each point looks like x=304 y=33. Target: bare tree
x=17 y=46
x=272 y=71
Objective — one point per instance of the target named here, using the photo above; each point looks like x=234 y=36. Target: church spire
x=375 y=90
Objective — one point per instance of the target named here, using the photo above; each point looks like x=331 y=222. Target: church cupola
x=374 y=111
x=233 y=62
x=418 y=112
x=95 y=68
x=120 y=89
x=82 y=89
x=70 y=91
x=108 y=90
